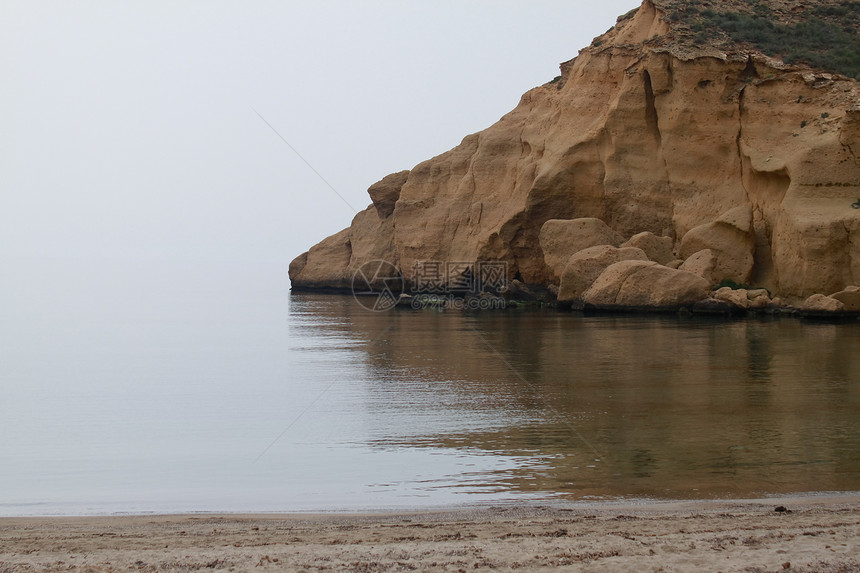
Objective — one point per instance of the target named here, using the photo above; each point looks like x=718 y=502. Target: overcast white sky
x=128 y=134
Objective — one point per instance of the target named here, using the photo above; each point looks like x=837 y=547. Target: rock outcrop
x=559 y=239
x=585 y=267
x=744 y=298
x=644 y=285
x=701 y=263
x=658 y=249
x=731 y=242
x=702 y=146
x=821 y=303
x=850 y=298
x=385 y=193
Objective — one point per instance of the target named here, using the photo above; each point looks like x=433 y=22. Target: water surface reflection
x=597 y=406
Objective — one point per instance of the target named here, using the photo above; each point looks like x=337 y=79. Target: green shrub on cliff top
x=824 y=37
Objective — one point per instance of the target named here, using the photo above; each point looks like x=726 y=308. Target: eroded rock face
x=736 y=297
x=561 y=239
x=324 y=265
x=658 y=249
x=822 y=303
x=759 y=298
x=701 y=263
x=386 y=192
x=731 y=241
x=850 y=298
x=737 y=153
x=644 y=285
x=584 y=267
x=744 y=298
x=332 y=264
x=816 y=247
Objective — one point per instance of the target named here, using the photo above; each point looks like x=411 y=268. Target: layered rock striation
x=715 y=163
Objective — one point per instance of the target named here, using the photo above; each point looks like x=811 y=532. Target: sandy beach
x=815 y=533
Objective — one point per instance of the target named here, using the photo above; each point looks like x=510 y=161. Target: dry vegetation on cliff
x=823 y=34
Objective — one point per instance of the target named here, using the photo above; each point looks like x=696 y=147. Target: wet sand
x=815 y=533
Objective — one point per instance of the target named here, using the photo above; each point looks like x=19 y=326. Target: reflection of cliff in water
x=654 y=406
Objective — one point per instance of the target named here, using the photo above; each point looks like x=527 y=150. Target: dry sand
x=815 y=534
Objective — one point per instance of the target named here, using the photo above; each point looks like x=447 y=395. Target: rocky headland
x=690 y=157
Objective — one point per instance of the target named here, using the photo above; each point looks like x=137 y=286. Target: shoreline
x=706 y=308
x=815 y=532
x=558 y=504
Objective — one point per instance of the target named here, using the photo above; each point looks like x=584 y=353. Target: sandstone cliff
x=723 y=156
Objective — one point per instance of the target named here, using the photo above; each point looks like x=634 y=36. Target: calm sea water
x=128 y=397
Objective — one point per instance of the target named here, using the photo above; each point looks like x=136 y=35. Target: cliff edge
x=678 y=133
